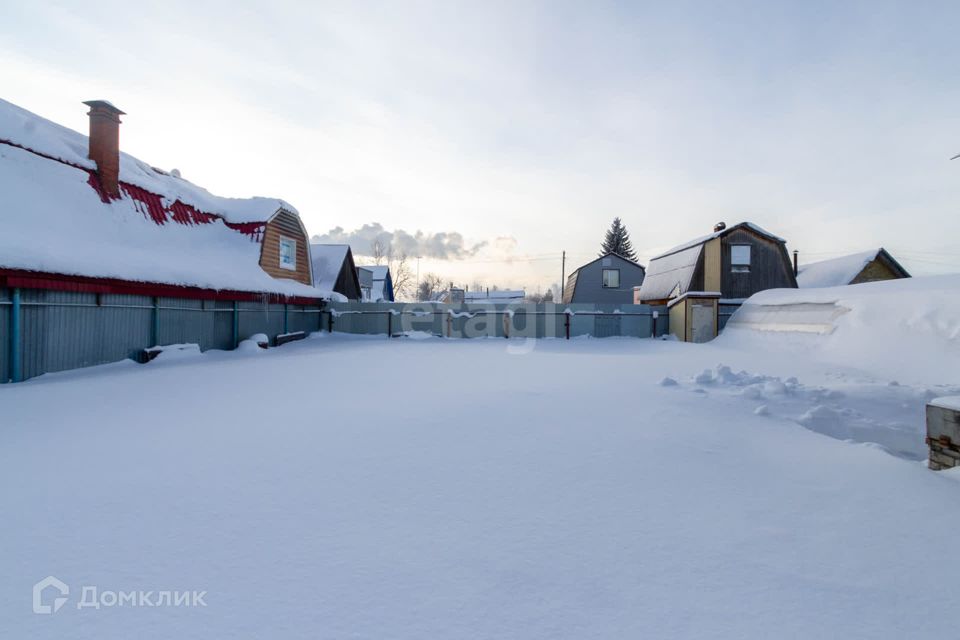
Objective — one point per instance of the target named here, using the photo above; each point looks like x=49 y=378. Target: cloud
x=444 y=245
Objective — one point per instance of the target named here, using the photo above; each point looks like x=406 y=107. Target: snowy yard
x=349 y=487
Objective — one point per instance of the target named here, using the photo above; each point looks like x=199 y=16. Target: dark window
x=740 y=258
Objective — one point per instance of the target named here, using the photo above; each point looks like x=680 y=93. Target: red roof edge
x=151 y=204
x=14 y=278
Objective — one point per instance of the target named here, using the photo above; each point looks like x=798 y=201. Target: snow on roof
x=55 y=222
x=327 y=263
x=717 y=234
x=670 y=273
x=835 y=272
x=948 y=402
x=28 y=130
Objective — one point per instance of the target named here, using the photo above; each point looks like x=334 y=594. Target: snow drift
x=893 y=328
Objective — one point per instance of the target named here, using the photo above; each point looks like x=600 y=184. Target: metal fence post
x=389 y=324
x=156 y=322
x=286 y=318
x=236 y=324
x=16 y=371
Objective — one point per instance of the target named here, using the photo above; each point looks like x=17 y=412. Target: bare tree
x=378 y=251
x=430 y=284
x=402 y=275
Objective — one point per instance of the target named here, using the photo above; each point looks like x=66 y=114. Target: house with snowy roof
x=381 y=282
x=732 y=262
x=103 y=256
x=868 y=266
x=335 y=270
x=77 y=210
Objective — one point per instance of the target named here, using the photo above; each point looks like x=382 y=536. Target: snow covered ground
x=359 y=487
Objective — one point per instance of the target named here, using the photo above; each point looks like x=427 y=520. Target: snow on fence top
x=57 y=219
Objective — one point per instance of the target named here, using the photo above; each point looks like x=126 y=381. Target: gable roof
x=161 y=229
x=607 y=255
x=716 y=234
x=841 y=271
x=329 y=261
x=672 y=271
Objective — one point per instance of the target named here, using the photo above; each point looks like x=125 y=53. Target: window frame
x=293 y=241
x=603 y=278
x=741 y=267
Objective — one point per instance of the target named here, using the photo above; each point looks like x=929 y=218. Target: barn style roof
x=837 y=272
x=161 y=229
x=669 y=274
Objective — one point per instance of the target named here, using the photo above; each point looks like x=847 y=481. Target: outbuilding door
x=702 y=327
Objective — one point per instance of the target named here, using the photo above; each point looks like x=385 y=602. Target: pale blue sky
x=528 y=126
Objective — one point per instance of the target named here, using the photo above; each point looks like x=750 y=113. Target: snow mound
x=891 y=328
x=887 y=414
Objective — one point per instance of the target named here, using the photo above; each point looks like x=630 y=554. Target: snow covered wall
x=893 y=328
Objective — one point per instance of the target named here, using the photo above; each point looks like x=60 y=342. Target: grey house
x=608 y=279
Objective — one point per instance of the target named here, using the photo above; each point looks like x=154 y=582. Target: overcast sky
x=514 y=130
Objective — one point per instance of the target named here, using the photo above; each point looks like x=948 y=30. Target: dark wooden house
x=735 y=262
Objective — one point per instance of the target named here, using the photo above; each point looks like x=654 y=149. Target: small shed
x=694 y=316
x=608 y=279
x=365 y=277
x=869 y=266
x=381 y=288
x=335 y=270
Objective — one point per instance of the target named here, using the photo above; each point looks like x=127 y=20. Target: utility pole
x=416 y=296
x=563 y=275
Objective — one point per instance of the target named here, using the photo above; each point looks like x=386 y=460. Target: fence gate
x=606 y=326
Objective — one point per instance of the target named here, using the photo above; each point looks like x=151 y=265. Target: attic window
x=740 y=258
x=611 y=278
x=288 y=253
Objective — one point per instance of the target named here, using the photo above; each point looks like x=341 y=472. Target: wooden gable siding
x=770 y=266
x=698 y=278
x=875 y=271
x=285 y=224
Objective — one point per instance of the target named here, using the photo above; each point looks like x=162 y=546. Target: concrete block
x=942 y=460
x=943 y=424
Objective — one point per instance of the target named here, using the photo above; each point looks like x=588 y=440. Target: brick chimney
x=105 y=143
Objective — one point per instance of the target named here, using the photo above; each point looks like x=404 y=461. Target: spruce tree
x=617 y=241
